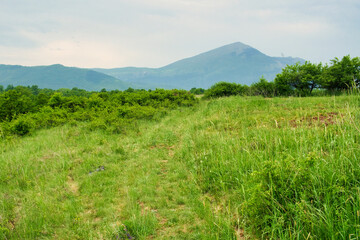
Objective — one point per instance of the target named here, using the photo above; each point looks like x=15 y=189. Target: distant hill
x=58 y=76
x=235 y=62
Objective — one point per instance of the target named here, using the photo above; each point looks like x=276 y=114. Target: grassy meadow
x=230 y=168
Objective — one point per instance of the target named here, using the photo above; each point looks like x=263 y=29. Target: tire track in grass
x=161 y=187
x=155 y=188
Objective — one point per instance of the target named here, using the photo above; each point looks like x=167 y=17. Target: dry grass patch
x=319 y=119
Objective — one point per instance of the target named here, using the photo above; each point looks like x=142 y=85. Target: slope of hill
x=58 y=76
x=235 y=62
x=231 y=168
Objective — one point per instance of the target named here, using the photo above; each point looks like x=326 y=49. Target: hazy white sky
x=154 y=33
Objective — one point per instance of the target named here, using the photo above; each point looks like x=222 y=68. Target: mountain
x=58 y=76
x=235 y=62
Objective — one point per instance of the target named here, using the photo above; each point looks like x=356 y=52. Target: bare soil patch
x=321 y=119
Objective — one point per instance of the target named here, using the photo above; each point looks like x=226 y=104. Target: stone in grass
x=100 y=168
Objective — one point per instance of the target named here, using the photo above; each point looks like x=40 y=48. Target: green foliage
x=302 y=79
x=263 y=88
x=48 y=117
x=56 y=100
x=342 y=74
x=42 y=99
x=110 y=111
x=9 y=87
x=130 y=90
x=74 y=92
x=197 y=91
x=35 y=90
x=223 y=89
x=14 y=102
x=299 y=79
x=21 y=126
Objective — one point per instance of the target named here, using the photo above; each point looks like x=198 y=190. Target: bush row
x=22 y=111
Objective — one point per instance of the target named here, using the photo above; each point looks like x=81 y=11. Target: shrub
x=97 y=124
x=21 y=126
x=263 y=88
x=105 y=110
x=223 y=89
x=15 y=102
x=197 y=91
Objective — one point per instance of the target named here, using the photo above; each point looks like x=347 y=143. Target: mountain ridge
x=57 y=76
x=235 y=62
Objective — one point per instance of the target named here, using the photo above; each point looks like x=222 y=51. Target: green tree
x=342 y=74
x=197 y=91
x=56 y=100
x=311 y=76
x=42 y=99
x=14 y=102
x=47 y=91
x=9 y=87
x=79 y=92
x=130 y=90
x=35 y=90
x=263 y=88
x=299 y=79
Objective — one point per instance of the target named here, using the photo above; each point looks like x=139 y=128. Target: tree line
x=25 y=109
x=299 y=80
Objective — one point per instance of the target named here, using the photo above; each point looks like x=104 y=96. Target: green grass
x=232 y=168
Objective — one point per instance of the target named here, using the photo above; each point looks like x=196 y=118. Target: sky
x=154 y=33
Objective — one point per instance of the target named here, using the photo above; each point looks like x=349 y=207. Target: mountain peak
x=209 y=57
x=56 y=66
x=235 y=62
x=236 y=47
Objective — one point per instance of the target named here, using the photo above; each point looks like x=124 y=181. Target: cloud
x=16 y=39
x=115 y=33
